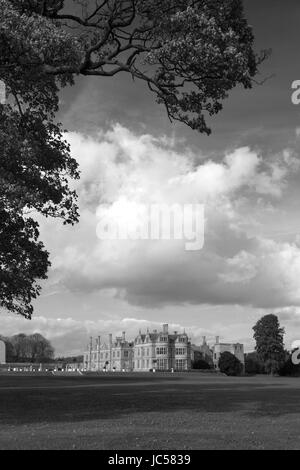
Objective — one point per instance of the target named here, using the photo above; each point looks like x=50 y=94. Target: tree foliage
x=35 y=164
x=269 y=342
x=190 y=53
x=201 y=364
x=229 y=364
x=28 y=348
x=252 y=364
x=289 y=368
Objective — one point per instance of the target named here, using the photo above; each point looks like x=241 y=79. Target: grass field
x=147 y=411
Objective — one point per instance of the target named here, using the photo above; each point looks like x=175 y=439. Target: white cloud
x=241 y=268
x=122 y=169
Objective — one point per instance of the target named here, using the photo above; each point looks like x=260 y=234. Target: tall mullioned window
x=180 y=351
x=162 y=364
x=180 y=364
x=161 y=350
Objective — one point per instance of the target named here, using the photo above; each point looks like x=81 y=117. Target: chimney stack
x=165 y=328
x=203 y=340
x=110 y=338
x=123 y=335
x=217 y=339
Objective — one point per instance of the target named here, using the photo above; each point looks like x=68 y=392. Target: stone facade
x=162 y=351
x=113 y=355
x=202 y=352
x=155 y=350
x=237 y=349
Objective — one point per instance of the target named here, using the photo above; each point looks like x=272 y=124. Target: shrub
x=201 y=364
x=229 y=364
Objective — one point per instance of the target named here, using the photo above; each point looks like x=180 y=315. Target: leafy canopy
x=35 y=164
x=269 y=342
x=190 y=53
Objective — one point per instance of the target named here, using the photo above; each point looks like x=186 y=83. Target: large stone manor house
x=156 y=350
x=160 y=350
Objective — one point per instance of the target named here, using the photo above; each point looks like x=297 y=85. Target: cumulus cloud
x=120 y=170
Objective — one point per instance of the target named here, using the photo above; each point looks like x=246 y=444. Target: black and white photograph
x=149 y=228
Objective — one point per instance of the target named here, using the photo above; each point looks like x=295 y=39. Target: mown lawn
x=147 y=411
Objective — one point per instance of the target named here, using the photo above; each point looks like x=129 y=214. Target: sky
x=247 y=175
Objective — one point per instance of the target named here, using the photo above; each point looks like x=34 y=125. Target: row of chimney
x=165 y=331
x=122 y=338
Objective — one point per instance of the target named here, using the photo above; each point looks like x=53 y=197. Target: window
x=163 y=338
x=182 y=339
x=161 y=350
x=180 y=364
x=162 y=364
x=180 y=351
x=125 y=353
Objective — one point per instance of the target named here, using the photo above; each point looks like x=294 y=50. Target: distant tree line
x=28 y=348
x=254 y=365
x=70 y=359
x=269 y=357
